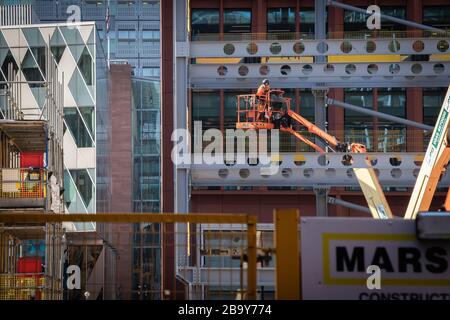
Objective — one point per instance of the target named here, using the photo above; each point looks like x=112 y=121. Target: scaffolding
x=30 y=253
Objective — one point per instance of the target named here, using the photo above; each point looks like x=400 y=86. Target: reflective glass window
x=307 y=21
x=206 y=108
x=358 y=126
x=204 y=21
x=150 y=35
x=237 y=20
x=281 y=20
x=432 y=104
x=391 y=135
x=77 y=128
x=150 y=71
x=127 y=35
x=436 y=16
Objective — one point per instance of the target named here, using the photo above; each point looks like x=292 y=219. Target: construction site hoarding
x=367 y=259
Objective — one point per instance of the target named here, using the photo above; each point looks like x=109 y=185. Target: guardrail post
x=251 y=258
x=287 y=268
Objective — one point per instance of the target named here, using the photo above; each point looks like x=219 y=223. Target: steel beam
x=393 y=19
x=322 y=75
x=24 y=217
x=342 y=48
x=320 y=111
x=321 y=193
x=339 y=202
x=380 y=115
x=312 y=169
x=180 y=107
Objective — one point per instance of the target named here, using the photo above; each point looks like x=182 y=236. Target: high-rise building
x=54 y=89
x=311 y=50
x=134 y=38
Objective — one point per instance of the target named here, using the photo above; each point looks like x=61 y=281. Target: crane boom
x=436 y=159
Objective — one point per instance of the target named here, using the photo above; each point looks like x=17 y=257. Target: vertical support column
x=167 y=167
x=321 y=201
x=221 y=18
x=259 y=18
x=320 y=115
x=414 y=13
x=180 y=106
x=414 y=107
x=167 y=43
x=251 y=258
x=287 y=268
x=376 y=133
x=319 y=95
x=180 y=113
x=414 y=112
x=222 y=110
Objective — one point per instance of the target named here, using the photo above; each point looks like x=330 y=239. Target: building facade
x=233 y=45
x=134 y=38
x=74 y=50
x=244 y=20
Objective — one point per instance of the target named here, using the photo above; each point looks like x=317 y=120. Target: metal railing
x=381 y=140
x=365 y=34
x=23 y=286
x=23 y=183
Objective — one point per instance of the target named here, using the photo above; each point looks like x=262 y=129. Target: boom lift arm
x=367 y=178
x=271 y=118
x=437 y=158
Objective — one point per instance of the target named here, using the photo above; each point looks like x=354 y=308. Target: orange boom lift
x=274 y=112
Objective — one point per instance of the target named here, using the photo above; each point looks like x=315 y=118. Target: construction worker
x=263 y=89
x=261 y=94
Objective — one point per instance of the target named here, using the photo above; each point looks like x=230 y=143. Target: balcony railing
x=22 y=286
x=23 y=188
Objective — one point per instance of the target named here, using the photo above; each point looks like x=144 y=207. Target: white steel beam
x=312 y=169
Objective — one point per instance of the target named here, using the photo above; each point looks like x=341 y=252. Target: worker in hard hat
x=263 y=99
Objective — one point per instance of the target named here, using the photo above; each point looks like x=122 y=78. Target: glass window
x=150 y=35
x=436 y=16
x=307 y=104
x=358 y=126
x=127 y=35
x=397 y=12
x=88 y=115
x=391 y=135
x=237 y=20
x=281 y=20
x=84 y=185
x=206 y=108
x=307 y=19
x=77 y=128
x=150 y=71
x=355 y=21
x=86 y=66
x=204 y=21
x=432 y=104
x=9 y=59
x=230 y=108
x=30 y=68
x=150 y=167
